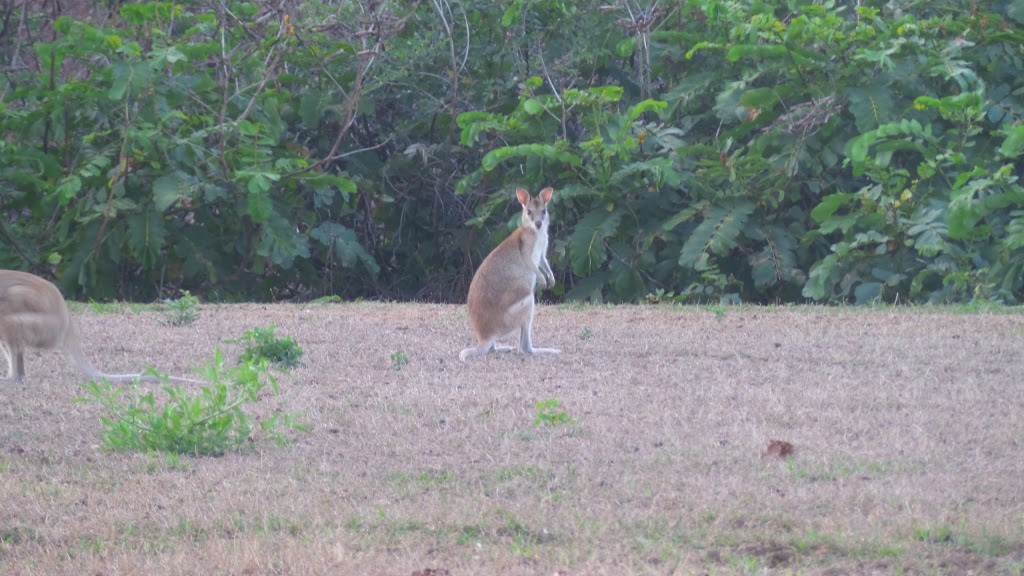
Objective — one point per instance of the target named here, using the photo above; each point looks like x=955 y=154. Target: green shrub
x=183 y=311
x=548 y=414
x=208 y=423
x=262 y=343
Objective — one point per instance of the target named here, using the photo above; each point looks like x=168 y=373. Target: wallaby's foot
x=483 y=349
x=538 y=351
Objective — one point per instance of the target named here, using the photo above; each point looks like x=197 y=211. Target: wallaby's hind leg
x=526 y=337
x=477 y=351
x=15 y=357
x=19 y=365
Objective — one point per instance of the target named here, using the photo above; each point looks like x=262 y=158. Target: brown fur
x=33 y=314
x=501 y=295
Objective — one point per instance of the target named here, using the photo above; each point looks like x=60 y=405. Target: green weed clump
x=208 y=423
x=262 y=343
x=183 y=311
x=399 y=360
x=548 y=414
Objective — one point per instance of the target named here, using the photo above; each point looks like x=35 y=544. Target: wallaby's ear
x=523 y=196
x=546 y=193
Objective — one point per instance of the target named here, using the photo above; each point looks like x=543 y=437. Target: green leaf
x=589 y=288
x=167 y=190
x=586 y=248
x=1013 y=145
x=607 y=93
x=871 y=106
x=121 y=74
x=346 y=247
x=821 y=279
x=67 y=189
x=777 y=261
x=280 y=242
x=929 y=232
x=828 y=206
x=858 y=147
x=867 y=292
x=146 y=236
x=259 y=205
x=961 y=218
x=765 y=51
x=716 y=234
x=625 y=47
x=645 y=106
x=491 y=160
x=511 y=15
x=533 y=107
x=684 y=215
x=312 y=108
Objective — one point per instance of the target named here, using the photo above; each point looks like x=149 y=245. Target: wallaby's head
x=535 y=210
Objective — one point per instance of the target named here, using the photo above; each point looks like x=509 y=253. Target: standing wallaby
x=33 y=314
x=501 y=297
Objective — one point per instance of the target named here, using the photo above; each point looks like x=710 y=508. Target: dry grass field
x=907 y=429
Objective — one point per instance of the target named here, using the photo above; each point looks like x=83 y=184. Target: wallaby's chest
x=540 y=246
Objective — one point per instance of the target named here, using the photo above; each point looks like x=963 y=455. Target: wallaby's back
x=32 y=312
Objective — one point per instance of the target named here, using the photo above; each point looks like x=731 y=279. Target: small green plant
x=332 y=299
x=660 y=296
x=183 y=311
x=548 y=414
x=209 y=423
x=585 y=334
x=523 y=540
x=934 y=534
x=399 y=360
x=160 y=461
x=111 y=307
x=262 y=343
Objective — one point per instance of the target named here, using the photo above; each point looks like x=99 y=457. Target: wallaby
x=501 y=297
x=33 y=314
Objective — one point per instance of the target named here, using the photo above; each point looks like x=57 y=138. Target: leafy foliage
x=209 y=423
x=181 y=311
x=717 y=151
x=548 y=414
x=262 y=344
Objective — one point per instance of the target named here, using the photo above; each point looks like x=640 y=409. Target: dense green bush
x=711 y=150
x=262 y=344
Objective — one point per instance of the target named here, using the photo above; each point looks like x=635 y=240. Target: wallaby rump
x=501 y=294
x=33 y=314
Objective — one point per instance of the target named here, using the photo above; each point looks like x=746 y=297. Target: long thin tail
x=97 y=375
x=89 y=372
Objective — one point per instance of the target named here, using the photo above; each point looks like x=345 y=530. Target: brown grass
x=906 y=427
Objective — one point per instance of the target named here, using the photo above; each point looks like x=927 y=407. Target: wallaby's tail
x=89 y=372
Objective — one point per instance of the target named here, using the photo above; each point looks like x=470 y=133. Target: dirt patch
x=905 y=431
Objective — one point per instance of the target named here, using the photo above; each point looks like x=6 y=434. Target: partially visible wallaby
x=33 y=314
x=501 y=297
